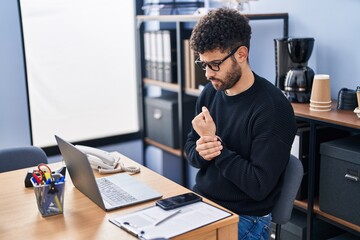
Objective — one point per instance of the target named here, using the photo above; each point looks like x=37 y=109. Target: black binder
x=169 y=49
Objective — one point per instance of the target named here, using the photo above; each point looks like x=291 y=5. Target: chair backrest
x=21 y=157
x=292 y=178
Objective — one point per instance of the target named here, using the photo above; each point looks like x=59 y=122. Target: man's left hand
x=203 y=123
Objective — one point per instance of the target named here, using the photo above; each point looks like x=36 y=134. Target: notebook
x=131 y=192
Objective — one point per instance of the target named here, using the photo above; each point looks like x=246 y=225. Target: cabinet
x=337 y=119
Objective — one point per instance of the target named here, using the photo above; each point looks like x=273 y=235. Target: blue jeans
x=254 y=228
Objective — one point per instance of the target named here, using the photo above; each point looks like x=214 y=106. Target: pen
x=167 y=217
x=36 y=178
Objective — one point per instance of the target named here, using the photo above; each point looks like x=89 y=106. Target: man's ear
x=242 y=54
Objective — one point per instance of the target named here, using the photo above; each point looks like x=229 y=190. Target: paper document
x=145 y=223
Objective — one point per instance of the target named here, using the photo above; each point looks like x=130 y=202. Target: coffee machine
x=283 y=62
x=293 y=76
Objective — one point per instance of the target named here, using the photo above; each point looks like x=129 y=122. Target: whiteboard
x=81 y=68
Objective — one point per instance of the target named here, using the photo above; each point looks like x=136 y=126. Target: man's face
x=229 y=71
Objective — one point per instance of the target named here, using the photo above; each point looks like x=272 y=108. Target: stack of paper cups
x=320 y=99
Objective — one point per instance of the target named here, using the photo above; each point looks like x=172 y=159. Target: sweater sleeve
x=193 y=157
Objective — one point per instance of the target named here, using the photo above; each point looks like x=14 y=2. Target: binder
x=153 y=55
x=154 y=222
x=197 y=75
x=147 y=55
x=159 y=62
x=192 y=68
x=170 y=58
x=187 y=63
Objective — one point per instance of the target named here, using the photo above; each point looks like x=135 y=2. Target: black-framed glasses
x=215 y=65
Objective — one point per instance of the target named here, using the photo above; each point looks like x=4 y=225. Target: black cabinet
x=340 y=178
x=162 y=120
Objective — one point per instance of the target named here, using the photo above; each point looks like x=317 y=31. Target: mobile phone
x=178 y=201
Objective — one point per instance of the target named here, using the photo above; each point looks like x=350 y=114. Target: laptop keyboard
x=112 y=193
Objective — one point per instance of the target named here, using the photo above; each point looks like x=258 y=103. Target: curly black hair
x=222 y=29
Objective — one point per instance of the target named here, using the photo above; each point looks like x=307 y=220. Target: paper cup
x=320 y=106
x=320 y=91
x=317 y=109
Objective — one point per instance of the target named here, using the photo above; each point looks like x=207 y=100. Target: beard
x=231 y=78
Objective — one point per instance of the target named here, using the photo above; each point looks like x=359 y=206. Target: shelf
x=194 y=18
x=193 y=92
x=190 y=17
x=303 y=206
x=336 y=118
x=174 y=87
x=333 y=218
x=168 y=18
x=173 y=151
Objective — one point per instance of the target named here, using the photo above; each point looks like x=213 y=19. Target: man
x=244 y=127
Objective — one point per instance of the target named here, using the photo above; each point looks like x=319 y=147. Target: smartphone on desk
x=178 y=201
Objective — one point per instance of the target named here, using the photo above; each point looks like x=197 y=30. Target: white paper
x=191 y=217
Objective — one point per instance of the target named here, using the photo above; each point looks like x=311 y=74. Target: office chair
x=21 y=157
x=281 y=212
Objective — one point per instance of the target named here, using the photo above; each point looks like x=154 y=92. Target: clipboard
x=143 y=224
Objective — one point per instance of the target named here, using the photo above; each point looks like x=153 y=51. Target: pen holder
x=50 y=198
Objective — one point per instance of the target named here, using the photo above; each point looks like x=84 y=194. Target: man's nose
x=209 y=73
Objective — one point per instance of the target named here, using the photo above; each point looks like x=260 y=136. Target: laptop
x=111 y=192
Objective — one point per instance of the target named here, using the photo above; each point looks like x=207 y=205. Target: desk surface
x=345 y=118
x=83 y=219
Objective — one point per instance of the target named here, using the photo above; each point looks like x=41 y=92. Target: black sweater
x=257 y=128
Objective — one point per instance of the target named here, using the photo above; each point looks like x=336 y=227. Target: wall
x=333 y=24
x=14 y=118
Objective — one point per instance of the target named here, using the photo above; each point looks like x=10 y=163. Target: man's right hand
x=208 y=147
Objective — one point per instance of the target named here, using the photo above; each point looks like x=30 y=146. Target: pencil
x=167 y=217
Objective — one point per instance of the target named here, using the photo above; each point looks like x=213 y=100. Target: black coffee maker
x=293 y=76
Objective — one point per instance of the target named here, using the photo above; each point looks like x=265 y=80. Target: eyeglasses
x=214 y=65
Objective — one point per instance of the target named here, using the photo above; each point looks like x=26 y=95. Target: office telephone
x=104 y=162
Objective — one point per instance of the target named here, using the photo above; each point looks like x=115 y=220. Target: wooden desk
x=83 y=219
x=336 y=117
